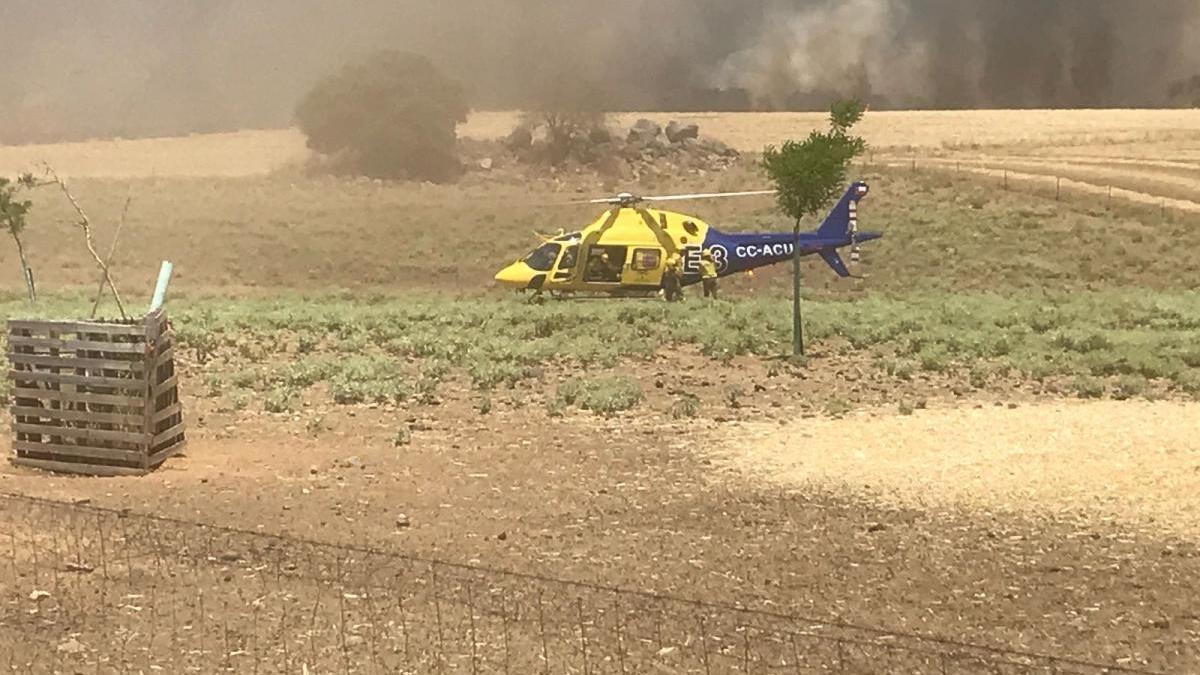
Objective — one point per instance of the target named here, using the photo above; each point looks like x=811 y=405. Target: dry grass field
x=935 y=466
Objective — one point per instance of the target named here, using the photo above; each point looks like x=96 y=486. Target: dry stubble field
x=997 y=512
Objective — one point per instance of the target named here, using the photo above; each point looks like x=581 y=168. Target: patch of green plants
x=1129 y=386
x=279 y=400
x=603 y=395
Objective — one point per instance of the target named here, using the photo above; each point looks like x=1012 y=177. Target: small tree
x=391 y=115
x=808 y=175
x=13 y=211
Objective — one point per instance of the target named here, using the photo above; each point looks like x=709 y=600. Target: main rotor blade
x=708 y=195
x=633 y=199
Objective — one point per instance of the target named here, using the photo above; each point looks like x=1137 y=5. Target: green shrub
x=367 y=379
x=686 y=406
x=1082 y=343
x=603 y=395
x=1129 y=386
x=935 y=358
x=837 y=407
x=733 y=396
x=483 y=404
x=1088 y=387
x=1188 y=382
x=279 y=400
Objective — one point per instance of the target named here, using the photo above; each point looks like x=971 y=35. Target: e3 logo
x=691 y=260
x=720 y=257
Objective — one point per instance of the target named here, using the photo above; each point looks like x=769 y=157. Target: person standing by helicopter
x=708 y=275
x=672 y=279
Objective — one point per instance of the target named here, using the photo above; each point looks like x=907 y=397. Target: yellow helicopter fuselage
x=626 y=249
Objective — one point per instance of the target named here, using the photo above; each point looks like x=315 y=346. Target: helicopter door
x=645 y=267
x=604 y=264
x=566 y=264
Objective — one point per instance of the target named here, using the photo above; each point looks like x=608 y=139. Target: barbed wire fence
x=1046 y=184
x=92 y=590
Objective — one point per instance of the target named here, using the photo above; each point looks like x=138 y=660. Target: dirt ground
x=895 y=525
x=1134 y=462
x=1066 y=528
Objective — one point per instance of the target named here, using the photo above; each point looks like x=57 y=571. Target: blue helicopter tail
x=838 y=226
x=835 y=262
x=844 y=216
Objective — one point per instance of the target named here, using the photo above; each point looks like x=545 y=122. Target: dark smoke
x=144 y=67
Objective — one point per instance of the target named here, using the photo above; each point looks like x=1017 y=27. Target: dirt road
x=1136 y=463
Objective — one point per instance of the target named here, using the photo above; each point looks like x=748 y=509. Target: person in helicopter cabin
x=708 y=275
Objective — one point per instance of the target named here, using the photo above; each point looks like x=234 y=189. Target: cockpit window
x=569 y=257
x=543 y=257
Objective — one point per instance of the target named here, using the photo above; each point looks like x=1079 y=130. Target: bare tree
x=85 y=224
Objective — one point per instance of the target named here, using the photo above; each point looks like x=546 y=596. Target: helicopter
x=625 y=251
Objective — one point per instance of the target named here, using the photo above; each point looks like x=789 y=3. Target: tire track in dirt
x=1135 y=463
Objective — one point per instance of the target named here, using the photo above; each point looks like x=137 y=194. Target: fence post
x=283 y=638
x=200 y=607
x=795 y=653
x=745 y=649
x=504 y=618
x=1109 y=205
x=542 y=630
x=620 y=632
x=437 y=609
x=1006 y=179
x=704 y=646
x=582 y=635
x=403 y=622
x=12 y=560
x=1058 y=188
x=474 y=642
x=340 y=589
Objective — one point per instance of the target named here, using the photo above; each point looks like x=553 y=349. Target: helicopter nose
x=516 y=275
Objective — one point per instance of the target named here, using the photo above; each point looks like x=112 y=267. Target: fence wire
x=92 y=590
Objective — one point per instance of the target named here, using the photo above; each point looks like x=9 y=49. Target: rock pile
x=645 y=147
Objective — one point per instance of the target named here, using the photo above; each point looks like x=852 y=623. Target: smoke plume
x=143 y=67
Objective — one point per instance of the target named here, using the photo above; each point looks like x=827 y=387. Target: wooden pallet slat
x=129 y=383
x=35 y=326
x=69 y=415
x=30 y=395
x=88 y=397
x=168 y=434
x=76 y=345
x=68 y=361
x=139 y=437
x=168 y=412
x=63 y=449
x=77 y=467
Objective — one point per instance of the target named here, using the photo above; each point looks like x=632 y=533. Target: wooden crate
x=94 y=397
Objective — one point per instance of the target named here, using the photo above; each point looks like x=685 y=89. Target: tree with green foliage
x=13 y=211
x=390 y=115
x=808 y=175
